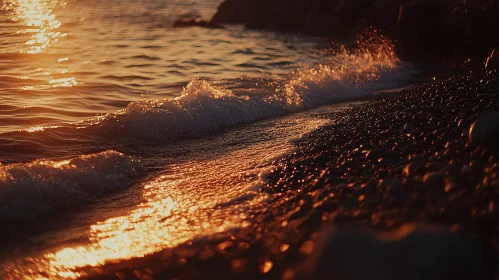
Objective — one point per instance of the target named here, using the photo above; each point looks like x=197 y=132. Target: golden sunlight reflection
x=64 y=82
x=178 y=205
x=169 y=217
x=40 y=21
x=42 y=30
x=40 y=128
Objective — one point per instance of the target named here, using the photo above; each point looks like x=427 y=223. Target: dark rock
x=424 y=20
x=407 y=253
x=234 y=11
x=485 y=130
x=386 y=12
x=344 y=17
x=336 y=17
x=423 y=28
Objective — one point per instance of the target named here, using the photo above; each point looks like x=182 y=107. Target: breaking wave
x=204 y=107
x=30 y=190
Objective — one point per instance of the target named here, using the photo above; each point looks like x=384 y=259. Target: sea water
x=121 y=136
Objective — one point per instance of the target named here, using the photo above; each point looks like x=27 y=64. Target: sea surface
x=121 y=136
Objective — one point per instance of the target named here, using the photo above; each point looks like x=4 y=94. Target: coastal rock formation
x=235 y=11
x=335 y=17
x=423 y=27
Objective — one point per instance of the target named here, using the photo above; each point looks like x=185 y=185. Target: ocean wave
x=205 y=107
x=202 y=107
x=31 y=190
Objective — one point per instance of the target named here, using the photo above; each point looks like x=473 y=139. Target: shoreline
x=406 y=157
x=369 y=152
x=376 y=167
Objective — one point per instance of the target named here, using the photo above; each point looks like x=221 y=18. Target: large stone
x=485 y=130
x=407 y=253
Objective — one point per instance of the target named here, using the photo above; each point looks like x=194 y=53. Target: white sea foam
x=28 y=190
x=201 y=108
x=204 y=107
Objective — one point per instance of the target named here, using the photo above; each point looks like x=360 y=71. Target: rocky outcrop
x=445 y=27
x=422 y=27
x=333 y=17
x=235 y=11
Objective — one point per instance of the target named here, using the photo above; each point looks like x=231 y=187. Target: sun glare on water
x=40 y=21
x=41 y=30
x=166 y=218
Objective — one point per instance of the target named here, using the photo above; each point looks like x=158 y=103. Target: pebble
x=485 y=130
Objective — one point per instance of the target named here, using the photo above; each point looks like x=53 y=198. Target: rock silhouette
x=424 y=28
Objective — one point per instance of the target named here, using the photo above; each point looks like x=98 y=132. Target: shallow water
x=121 y=136
x=62 y=61
x=205 y=187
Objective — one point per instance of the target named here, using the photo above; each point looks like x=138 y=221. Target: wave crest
x=29 y=190
x=351 y=72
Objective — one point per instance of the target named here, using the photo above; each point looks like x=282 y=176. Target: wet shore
x=406 y=163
